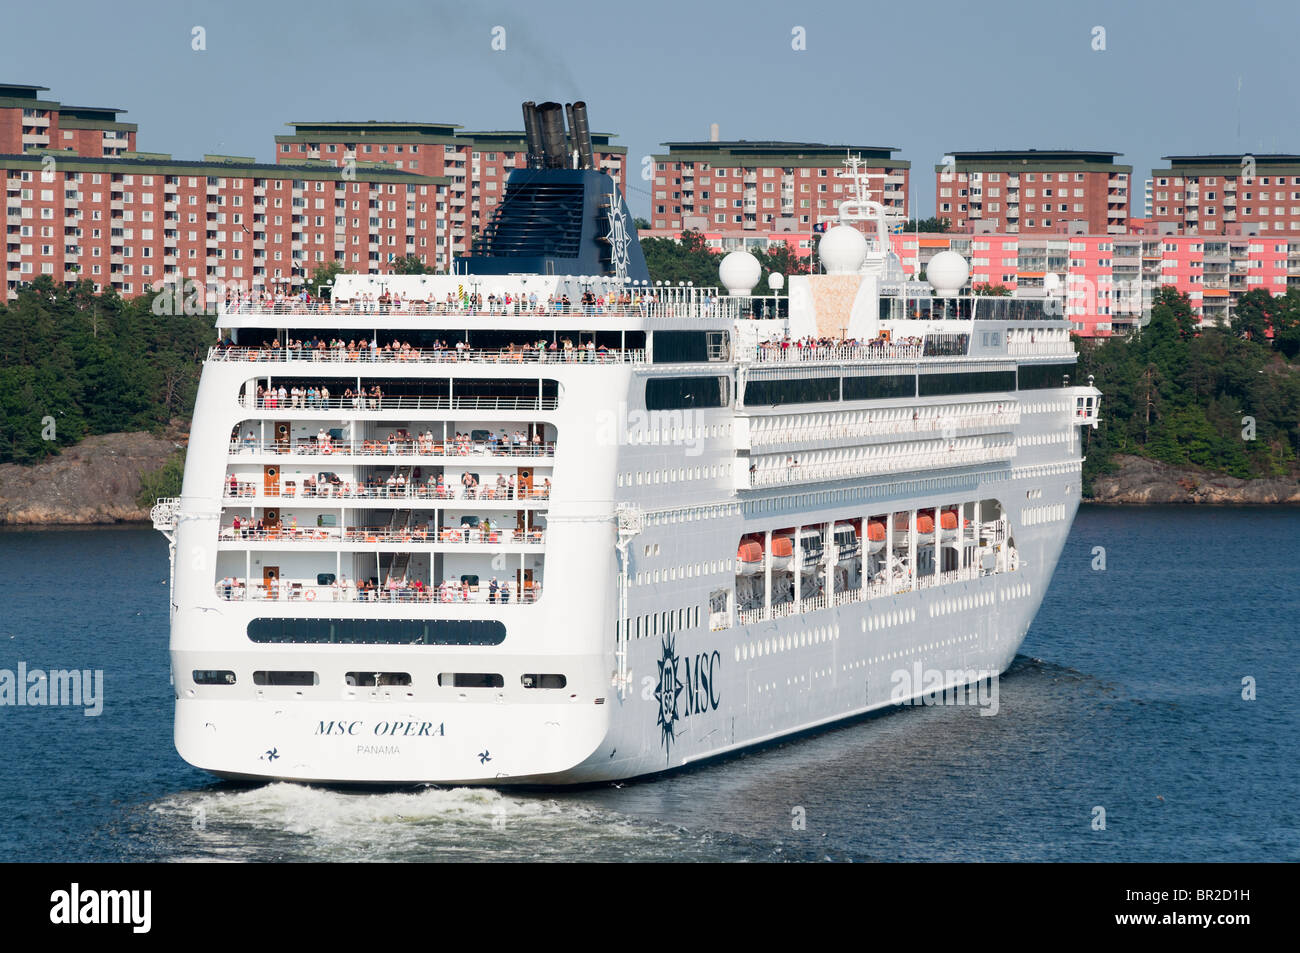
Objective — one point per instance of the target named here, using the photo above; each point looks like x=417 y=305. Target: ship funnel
x=533 y=133
x=580 y=132
x=555 y=144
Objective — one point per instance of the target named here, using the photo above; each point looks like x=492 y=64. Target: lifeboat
x=949 y=523
x=783 y=551
x=925 y=526
x=847 y=546
x=876 y=535
x=811 y=549
x=749 y=556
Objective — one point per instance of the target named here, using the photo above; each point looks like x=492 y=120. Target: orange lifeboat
x=749 y=556
x=876 y=535
x=783 y=551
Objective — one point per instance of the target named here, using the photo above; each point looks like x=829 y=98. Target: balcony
x=936 y=455
x=427 y=356
x=508 y=594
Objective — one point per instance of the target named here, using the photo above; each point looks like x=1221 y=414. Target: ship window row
x=289 y=630
x=687 y=571
x=667 y=622
x=760 y=648
x=687 y=393
x=774 y=392
x=674 y=475
x=690 y=347
x=660 y=427
x=370 y=394
x=303 y=679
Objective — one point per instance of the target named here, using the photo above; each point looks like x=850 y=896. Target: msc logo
x=686 y=687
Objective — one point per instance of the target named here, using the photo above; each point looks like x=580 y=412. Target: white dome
x=776 y=281
x=842 y=250
x=739 y=272
x=947 y=273
x=1052 y=282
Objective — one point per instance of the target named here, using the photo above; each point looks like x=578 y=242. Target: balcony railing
x=346 y=491
x=422 y=402
x=903 y=462
x=310 y=446
x=951 y=423
x=459 y=535
x=776 y=354
x=508 y=594
x=1027 y=348
x=700 y=302
x=575 y=355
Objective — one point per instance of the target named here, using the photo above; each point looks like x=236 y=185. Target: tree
x=686 y=258
x=324 y=275
x=641 y=224
x=781 y=259
x=928 y=225
x=410 y=265
x=993 y=291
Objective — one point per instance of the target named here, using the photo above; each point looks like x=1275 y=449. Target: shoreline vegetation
x=96 y=392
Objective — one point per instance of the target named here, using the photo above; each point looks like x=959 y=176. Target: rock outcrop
x=1139 y=480
x=95 y=481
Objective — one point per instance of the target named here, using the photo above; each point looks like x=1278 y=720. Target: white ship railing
x=793 y=354
x=949 y=423
x=796 y=473
x=1041 y=348
x=346 y=491
x=309 y=446
x=456 y=536
x=699 y=305
x=407 y=403
x=876 y=590
x=577 y=355
x=300 y=593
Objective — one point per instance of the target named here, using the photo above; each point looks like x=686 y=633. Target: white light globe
x=842 y=250
x=947 y=273
x=776 y=281
x=739 y=272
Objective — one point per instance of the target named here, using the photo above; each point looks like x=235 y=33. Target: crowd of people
x=826 y=348
x=503 y=592
x=505 y=303
x=397 y=485
x=561 y=349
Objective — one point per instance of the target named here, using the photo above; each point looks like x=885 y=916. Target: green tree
x=641 y=224
x=932 y=224
x=410 y=265
x=324 y=275
x=993 y=291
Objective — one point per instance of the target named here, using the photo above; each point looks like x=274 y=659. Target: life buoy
x=310 y=595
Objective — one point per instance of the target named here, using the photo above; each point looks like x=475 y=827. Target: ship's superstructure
x=503 y=527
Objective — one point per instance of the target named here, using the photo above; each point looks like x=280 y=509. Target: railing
x=933 y=425
x=699 y=304
x=383 y=534
x=795 y=473
x=777 y=354
x=900 y=584
x=406 y=403
x=1028 y=348
x=382 y=448
x=507 y=594
x=574 y=355
x=346 y=491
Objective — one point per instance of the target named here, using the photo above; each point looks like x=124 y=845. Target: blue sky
x=1174 y=77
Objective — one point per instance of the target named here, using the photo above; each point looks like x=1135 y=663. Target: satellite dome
x=842 y=250
x=947 y=273
x=776 y=281
x=739 y=272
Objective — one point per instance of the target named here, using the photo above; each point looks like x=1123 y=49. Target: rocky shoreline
x=1141 y=481
x=92 y=483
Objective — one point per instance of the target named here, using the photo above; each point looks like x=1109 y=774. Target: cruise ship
x=546 y=521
